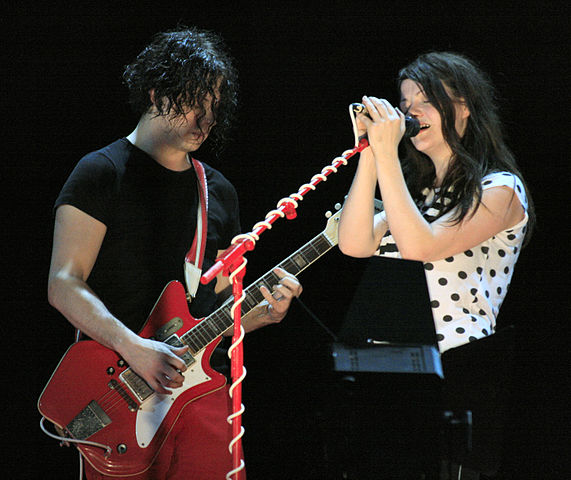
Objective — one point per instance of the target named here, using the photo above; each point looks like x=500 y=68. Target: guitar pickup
x=174 y=340
x=88 y=422
x=168 y=329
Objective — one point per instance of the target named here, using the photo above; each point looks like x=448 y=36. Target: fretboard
x=220 y=320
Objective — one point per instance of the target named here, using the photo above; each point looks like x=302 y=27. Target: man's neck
x=147 y=137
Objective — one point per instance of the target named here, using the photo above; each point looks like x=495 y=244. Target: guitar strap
x=195 y=256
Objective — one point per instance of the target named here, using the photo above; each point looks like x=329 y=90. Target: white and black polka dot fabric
x=467 y=289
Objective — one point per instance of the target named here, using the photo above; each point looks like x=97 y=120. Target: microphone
x=412 y=125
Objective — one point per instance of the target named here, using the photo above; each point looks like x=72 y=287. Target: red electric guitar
x=94 y=396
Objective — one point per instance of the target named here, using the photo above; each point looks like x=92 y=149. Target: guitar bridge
x=88 y=422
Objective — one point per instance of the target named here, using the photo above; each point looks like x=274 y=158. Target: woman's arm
x=360 y=230
x=415 y=237
x=419 y=240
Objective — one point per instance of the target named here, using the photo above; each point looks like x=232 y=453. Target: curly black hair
x=185 y=67
x=480 y=151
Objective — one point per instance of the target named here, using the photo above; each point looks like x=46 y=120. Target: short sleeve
x=90 y=187
x=233 y=215
x=506 y=179
x=223 y=210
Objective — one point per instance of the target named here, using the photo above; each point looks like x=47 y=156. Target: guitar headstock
x=332 y=225
x=333 y=221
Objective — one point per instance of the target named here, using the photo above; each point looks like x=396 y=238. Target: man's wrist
x=272 y=315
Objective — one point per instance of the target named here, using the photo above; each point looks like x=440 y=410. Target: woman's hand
x=385 y=125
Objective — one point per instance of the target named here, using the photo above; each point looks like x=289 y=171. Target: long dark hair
x=184 y=66
x=480 y=151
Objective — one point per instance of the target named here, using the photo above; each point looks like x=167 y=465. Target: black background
x=299 y=68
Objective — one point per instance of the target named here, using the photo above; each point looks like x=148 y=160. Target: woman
x=457 y=202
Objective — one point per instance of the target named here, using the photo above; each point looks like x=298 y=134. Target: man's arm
x=77 y=241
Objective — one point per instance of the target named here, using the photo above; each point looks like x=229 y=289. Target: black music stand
x=386 y=411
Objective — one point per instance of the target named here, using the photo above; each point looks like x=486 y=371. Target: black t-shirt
x=150 y=214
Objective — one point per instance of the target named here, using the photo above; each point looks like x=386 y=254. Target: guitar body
x=88 y=397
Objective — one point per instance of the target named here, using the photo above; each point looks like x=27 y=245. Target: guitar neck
x=221 y=320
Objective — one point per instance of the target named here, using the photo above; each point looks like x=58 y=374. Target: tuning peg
x=328 y=214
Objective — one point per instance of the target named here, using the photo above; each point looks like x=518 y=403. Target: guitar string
x=114 y=400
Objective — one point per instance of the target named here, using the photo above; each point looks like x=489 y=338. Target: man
x=126 y=218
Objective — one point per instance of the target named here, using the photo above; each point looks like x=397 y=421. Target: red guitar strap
x=195 y=256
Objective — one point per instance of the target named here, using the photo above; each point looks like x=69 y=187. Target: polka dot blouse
x=467 y=289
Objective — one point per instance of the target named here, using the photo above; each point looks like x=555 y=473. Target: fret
x=299 y=261
x=264 y=281
x=215 y=319
x=191 y=342
x=310 y=252
x=323 y=244
x=199 y=336
x=249 y=302
x=217 y=326
x=208 y=329
x=305 y=257
x=271 y=278
x=255 y=294
x=320 y=246
x=290 y=266
x=224 y=319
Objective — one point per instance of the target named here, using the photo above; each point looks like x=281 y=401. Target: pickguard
x=152 y=411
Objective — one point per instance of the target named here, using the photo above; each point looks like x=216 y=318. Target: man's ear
x=152 y=95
